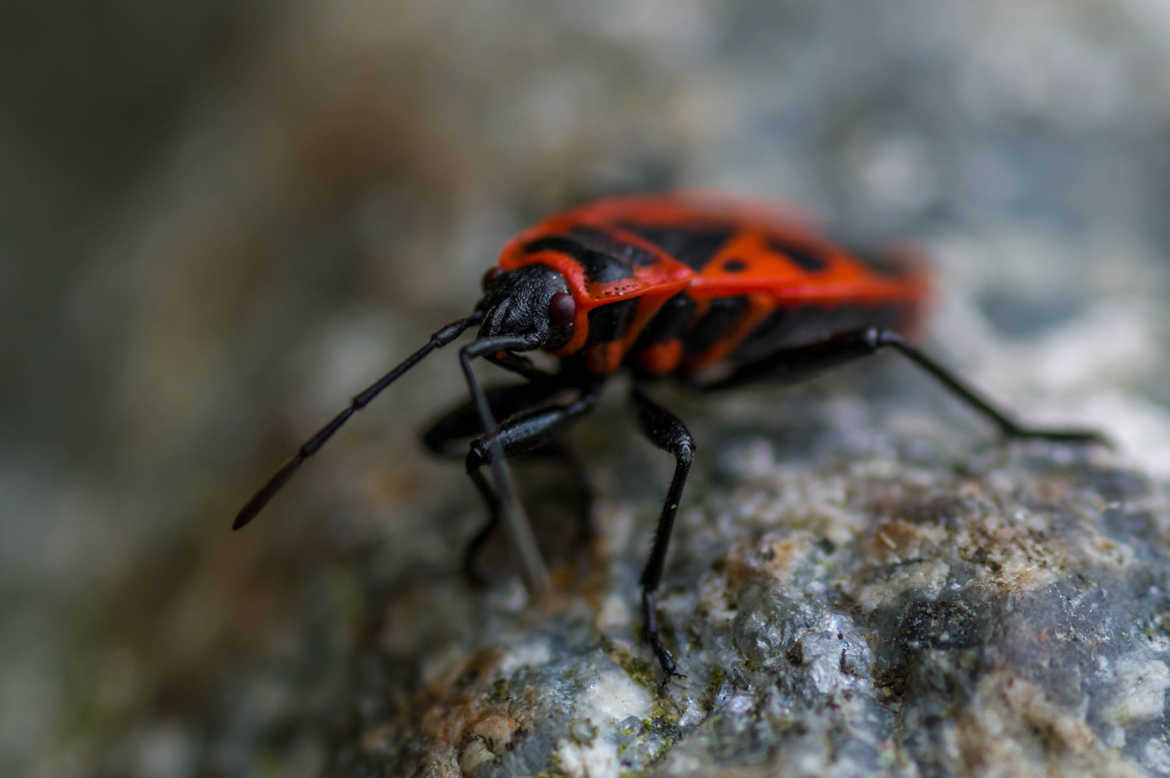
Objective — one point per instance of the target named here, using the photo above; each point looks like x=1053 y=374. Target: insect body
x=713 y=292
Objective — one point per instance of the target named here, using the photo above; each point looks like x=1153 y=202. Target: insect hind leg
x=1008 y=426
x=799 y=361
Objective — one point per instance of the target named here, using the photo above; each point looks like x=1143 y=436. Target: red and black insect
x=710 y=291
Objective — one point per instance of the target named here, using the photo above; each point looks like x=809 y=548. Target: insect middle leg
x=799 y=361
x=533 y=432
x=667 y=432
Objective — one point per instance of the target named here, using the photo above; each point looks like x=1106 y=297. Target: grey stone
x=1005 y=618
x=225 y=218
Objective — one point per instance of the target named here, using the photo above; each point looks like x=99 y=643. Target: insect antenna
x=440 y=338
x=532 y=564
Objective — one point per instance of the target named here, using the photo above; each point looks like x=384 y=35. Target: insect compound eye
x=489 y=277
x=562 y=309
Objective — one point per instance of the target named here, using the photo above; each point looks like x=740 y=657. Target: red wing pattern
x=688 y=281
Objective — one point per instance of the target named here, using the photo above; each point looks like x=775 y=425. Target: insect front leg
x=667 y=432
x=556 y=449
x=532 y=432
x=447 y=434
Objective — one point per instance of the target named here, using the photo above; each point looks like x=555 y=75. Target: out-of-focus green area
x=220 y=220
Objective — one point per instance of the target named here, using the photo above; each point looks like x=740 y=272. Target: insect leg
x=671 y=435
x=530 y=433
x=799 y=361
x=1007 y=425
x=535 y=574
x=586 y=498
x=456 y=425
x=585 y=528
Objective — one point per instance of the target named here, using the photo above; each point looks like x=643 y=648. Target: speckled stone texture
x=222 y=219
x=1001 y=616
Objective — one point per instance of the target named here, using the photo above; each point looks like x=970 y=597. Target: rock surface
x=224 y=218
x=1002 y=616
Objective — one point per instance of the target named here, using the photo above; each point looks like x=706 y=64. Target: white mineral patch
x=520 y=655
x=599 y=759
x=614 y=612
x=610 y=699
x=927 y=577
x=614 y=696
x=1141 y=690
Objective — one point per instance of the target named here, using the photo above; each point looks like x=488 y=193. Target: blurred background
x=221 y=219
